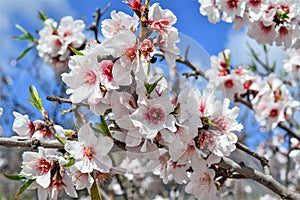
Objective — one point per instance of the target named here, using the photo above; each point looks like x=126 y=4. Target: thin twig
x=62 y=100
x=257 y=59
x=266 y=180
x=186 y=62
x=263 y=161
x=280 y=124
x=95 y=25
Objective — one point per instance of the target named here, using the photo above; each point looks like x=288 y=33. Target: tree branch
x=263 y=161
x=32 y=143
x=95 y=25
x=266 y=180
x=281 y=125
x=185 y=61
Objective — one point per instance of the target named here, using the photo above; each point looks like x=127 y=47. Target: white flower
x=22 y=125
x=81 y=180
x=83 y=79
x=202 y=185
x=210 y=8
x=54 y=41
x=161 y=21
x=36 y=165
x=292 y=63
x=232 y=8
x=90 y=151
x=153 y=115
x=119 y=22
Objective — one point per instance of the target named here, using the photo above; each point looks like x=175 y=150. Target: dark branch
x=95 y=25
x=263 y=161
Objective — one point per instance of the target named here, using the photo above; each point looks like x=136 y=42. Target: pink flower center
x=255 y=3
x=131 y=52
x=222 y=73
x=155 y=115
x=44 y=166
x=283 y=31
x=67 y=33
x=232 y=4
x=146 y=47
x=89 y=152
x=90 y=77
x=223 y=64
x=205 y=179
x=202 y=107
x=57 y=42
x=160 y=25
x=265 y=29
x=229 y=83
x=247 y=85
x=274 y=113
x=205 y=140
x=106 y=69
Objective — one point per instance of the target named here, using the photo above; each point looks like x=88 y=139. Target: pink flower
x=119 y=22
x=22 y=125
x=54 y=41
x=90 y=152
x=211 y=9
x=202 y=185
x=36 y=165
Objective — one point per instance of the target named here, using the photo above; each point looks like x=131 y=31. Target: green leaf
x=21 y=38
x=14 y=176
x=24 y=53
x=265 y=48
x=70 y=163
x=36 y=100
x=151 y=87
x=103 y=127
x=26 y=33
x=24 y=187
x=95 y=192
x=42 y=16
x=107 y=111
x=78 y=53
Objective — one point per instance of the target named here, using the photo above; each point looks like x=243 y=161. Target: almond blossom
x=202 y=185
x=36 y=165
x=119 y=22
x=292 y=64
x=90 y=151
x=54 y=41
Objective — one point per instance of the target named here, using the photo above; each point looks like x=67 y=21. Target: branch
x=62 y=100
x=95 y=25
x=32 y=143
x=257 y=59
x=281 y=124
x=263 y=161
x=266 y=180
x=183 y=60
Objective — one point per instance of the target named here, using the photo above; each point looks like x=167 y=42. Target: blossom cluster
x=268 y=21
x=292 y=64
x=180 y=135
x=56 y=40
x=271 y=101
